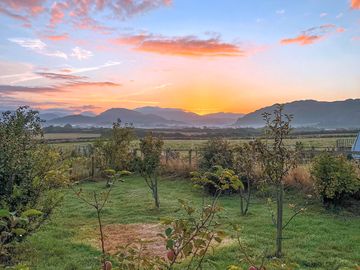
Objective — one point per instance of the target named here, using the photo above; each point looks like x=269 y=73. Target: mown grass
x=318 y=239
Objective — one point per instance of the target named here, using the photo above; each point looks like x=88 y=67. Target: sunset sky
x=200 y=55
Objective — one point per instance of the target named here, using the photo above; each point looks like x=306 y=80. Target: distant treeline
x=205 y=133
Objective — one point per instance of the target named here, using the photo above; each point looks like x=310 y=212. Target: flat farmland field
x=69 y=136
x=308 y=142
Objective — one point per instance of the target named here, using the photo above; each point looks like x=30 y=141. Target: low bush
x=335 y=178
x=216 y=152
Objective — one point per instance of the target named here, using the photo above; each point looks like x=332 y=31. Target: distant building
x=356 y=147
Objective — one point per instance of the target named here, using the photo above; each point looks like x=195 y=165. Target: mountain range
x=307 y=113
x=147 y=117
x=312 y=113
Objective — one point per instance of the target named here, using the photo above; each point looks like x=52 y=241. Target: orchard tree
x=277 y=160
x=115 y=153
x=149 y=164
x=29 y=174
x=245 y=162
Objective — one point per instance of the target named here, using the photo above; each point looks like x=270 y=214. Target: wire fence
x=84 y=160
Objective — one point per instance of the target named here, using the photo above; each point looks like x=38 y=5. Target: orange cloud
x=301 y=39
x=355 y=4
x=312 y=35
x=181 y=46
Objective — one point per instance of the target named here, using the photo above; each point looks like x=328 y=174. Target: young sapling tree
x=149 y=164
x=277 y=160
x=191 y=237
x=98 y=200
x=245 y=161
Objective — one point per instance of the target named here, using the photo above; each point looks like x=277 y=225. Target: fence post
x=92 y=166
x=190 y=153
x=167 y=155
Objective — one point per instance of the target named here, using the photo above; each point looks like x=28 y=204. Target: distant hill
x=190 y=118
x=312 y=113
x=112 y=115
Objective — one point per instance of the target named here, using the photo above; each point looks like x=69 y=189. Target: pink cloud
x=57 y=13
x=22 y=10
x=10 y=90
x=32 y=7
x=60 y=37
x=79 y=12
x=180 y=46
x=312 y=35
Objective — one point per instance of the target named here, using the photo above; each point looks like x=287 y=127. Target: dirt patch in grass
x=118 y=235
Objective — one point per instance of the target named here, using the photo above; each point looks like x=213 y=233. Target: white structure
x=356 y=147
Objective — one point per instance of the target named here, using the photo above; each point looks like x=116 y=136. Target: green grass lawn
x=318 y=239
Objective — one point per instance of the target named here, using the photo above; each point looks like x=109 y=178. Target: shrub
x=216 y=151
x=29 y=174
x=335 y=177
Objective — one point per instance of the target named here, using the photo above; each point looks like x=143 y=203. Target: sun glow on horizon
x=176 y=54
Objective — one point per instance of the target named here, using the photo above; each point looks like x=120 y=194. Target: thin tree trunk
x=248 y=196
x=241 y=202
x=156 y=194
x=101 y=237
x=279 y=220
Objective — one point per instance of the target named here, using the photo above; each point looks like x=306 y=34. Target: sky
x=202 y=56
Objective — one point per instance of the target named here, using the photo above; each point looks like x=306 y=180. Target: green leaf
x=4 y=213
x=168 y=232
x=19 y=231
x=170 y=244
x=31 y=213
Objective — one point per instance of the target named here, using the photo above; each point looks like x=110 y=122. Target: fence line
x=86 y=167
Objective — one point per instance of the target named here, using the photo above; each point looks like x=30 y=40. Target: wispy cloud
x=181 y=46
x=10 y=90
x=81 y=54
x=311 y=35
x=340 y=15
x=59 y=76
x=38 y=46
x=30 y=76
x=280 y=12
